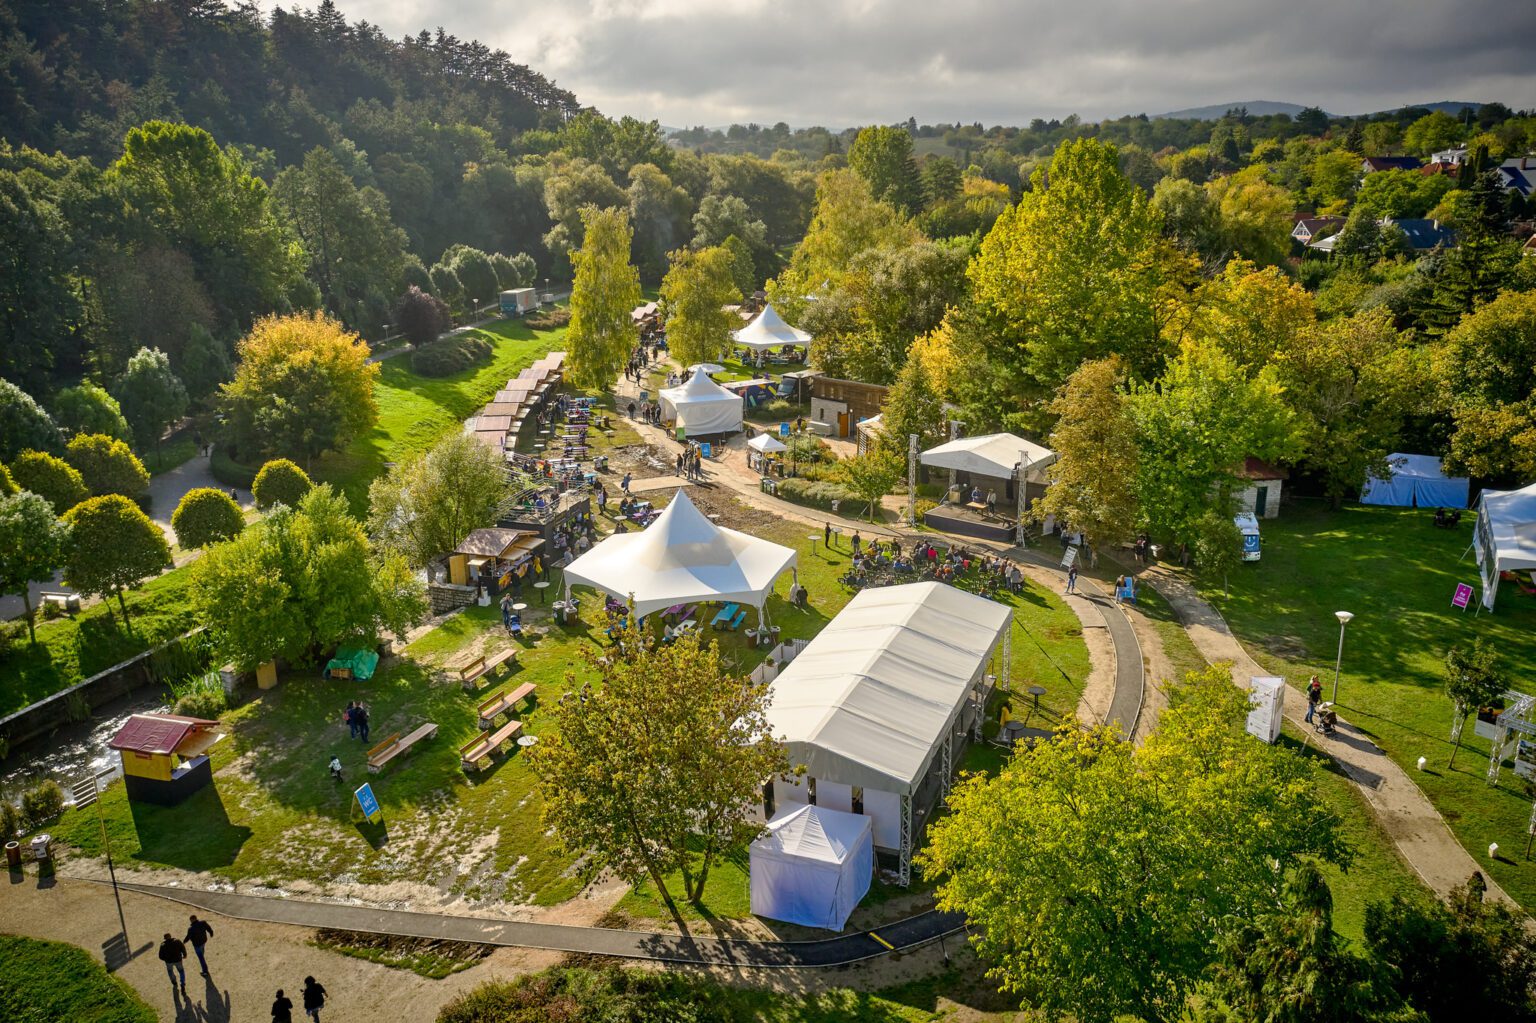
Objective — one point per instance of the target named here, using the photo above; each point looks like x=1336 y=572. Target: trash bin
x=40 y=846
x=13 y=855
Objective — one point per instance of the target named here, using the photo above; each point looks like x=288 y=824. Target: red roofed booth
x=165 y=756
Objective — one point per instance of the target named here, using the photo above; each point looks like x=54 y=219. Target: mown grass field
x=47 y=981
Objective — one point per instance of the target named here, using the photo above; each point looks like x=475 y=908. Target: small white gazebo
x=765 y=444
x=701 y=406
x=768 y=330
x=812 y=867
x=682 y=558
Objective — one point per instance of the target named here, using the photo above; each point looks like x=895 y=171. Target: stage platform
x=959 y=520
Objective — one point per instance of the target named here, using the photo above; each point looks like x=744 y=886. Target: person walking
x=282 y=1008
x=351 y=718
x=314 y=998
x=1314 y=697
x=172 y=952
x=198 y=933
x=624 y=483
x=362 y=721
x=1072 y=578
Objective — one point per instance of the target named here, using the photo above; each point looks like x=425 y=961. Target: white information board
x=1267 y=695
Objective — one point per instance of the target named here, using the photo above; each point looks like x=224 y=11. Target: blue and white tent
x=1416 y=481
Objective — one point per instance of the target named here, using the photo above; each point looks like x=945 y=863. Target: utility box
x=1267 y=695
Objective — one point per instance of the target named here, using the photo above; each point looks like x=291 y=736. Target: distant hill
x=1256 y=107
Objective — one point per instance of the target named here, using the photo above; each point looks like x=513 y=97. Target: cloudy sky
x=850 y=62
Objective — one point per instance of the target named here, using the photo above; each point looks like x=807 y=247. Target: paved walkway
x=167 y=489
x=1402 y=809
x=694 y=950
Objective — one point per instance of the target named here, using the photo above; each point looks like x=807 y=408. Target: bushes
x=107 y=465
x=450 y=355
x=51 y=478
x=817 y=493
x=549 y=319
x=10 y=821
x=609 y=994
x=280 y=482
x=206 y=516
x=41 y=804
x=230 y=472
x=201 y=696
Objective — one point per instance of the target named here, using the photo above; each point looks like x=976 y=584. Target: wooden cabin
x=165 y=756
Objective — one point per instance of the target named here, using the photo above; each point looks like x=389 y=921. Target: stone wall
x=446 y=597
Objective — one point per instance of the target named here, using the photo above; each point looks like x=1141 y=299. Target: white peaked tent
x=681 y=558
x=766 y=443
x=813 y=867
x=992 y=454
x=701 y=406
x=1416 y=481
x=768 y=330
x=1506 y=536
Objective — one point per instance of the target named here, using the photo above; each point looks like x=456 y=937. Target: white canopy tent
x=1506 y=536
x=1416 y=481
x=812 y=867
x=701 y=406
x=768 y=330
x=992 y=454
x=767 y=444
x=682 y=558
x=880 y=693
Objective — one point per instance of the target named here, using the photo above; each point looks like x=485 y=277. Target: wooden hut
x=165 y=756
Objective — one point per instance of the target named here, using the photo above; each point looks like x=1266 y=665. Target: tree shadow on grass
x=196 y=834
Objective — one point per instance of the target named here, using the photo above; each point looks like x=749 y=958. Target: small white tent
x=766 y=443
x=1416 y=481
x=701 y=406
x=682 y=558
x=813 y=867
x=993 y=454
x=1506 y=536
x=768 y=330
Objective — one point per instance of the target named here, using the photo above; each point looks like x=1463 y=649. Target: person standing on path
x=314 y=998
x=172 y=952
x=282 y=1008
x=351 y=718
x=1314 y=697
x=1072 y=578
x=198 y=933
x=362 y=721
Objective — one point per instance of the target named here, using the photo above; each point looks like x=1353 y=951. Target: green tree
x=743 y=266
x=107 y=465
x=300 y=582
x=668 y=790
x=113 y=546
x=447 y=286
x=1248 y=312
x=567 y=193
x=32 y=546
x=882 y=156
x=659 y=211
x=912 y=405
x=1093 y=480
x=151 y=396
x=1335 y=176
x=476 y=274
x=1188 y=217
x=1254 y=216
x=425 y=506
x=1068 y=275
x=51 y=478
x=37 y=287
x=87 y=408
x=1487 y=370
x=871 y=476
x=205 y=364
x=1434 y=131
x=1218 y=545
x=1472 y=680
x=697 y=289
x=1089 y=871
x=722 y=216
x=304 y=386
x=280 y=482
x=606 y=289
x=24 y=425
x=206 y=516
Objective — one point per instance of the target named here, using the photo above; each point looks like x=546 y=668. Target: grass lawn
x=45 y=981
x=71 y=649
x=1396 y=572
x=171 y=454
x=415 y=410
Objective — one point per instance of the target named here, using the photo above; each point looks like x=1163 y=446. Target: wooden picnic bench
x=503 y=702
x=68 y=601
x=478 y=671
x=395 y=745
x=475 y=754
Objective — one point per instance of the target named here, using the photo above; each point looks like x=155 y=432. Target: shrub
x=24 y=425
x=924 y=506
x=549 y=319
x=206 y=516
x=7 y=485
x=10 y=821
x=280 y=482
x=51 y=478
x=11 y=633
x=422 y=316
x=107 y=465
x=201 y=696
x=89 y=409
x=817 y=493
x=450 y=355
x=41 y=804
x=807 y=447
x=230 y=472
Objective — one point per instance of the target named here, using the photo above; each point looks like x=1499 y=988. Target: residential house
x=1456 y=156
x=1518 y=175
x=1372 y=164
x=1422 y=235
x=1313 y=229
x=837 y=406
x=1440 y=167
x=1262 y=498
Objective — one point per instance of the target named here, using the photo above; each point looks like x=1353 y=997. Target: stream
x=75 y=750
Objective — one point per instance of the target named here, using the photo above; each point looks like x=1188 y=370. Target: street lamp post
x=1344 y=618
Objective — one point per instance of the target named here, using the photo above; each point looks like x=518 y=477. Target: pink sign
x=1463 y=596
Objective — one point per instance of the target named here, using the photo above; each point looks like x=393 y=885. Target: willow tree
x=605 y=291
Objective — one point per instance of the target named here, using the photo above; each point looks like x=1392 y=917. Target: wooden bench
x=68 y=601
x=478 y=671
x=503 y=703
x=395 y=745
x=476 y=754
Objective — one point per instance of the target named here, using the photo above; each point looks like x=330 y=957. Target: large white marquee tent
x=880 y=693
x=682 y=558
x=1506 y=536
x=812 y=867
x=992 y=454
x=768 y=330
x=701 y=406
x=1416 y=481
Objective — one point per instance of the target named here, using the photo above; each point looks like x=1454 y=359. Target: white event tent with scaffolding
x=879 y=705
x=682 y=558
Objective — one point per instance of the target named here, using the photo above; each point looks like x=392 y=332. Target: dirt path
x=1405 y=813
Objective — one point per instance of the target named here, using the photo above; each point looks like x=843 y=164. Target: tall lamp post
x=1344 y=618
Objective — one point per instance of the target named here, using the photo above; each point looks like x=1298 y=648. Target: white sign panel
x=1069 y=557
x=1267 y=695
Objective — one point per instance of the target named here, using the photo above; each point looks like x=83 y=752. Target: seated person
x=975 y=495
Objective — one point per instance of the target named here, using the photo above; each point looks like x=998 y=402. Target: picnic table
x=725 y=614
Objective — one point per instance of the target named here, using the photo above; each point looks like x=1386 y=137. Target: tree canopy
x=425 y=506
x=605 y=292
x=112 y=547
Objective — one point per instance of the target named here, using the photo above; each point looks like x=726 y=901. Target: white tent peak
x=702 y=406
x=990 y=454
x=766 y=443
x=768 y=330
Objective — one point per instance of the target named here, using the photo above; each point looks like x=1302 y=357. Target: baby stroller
x=1326 y=720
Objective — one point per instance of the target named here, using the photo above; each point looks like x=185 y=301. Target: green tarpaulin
x=360 y=661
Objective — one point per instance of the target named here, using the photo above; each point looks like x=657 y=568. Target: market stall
x=812 y=867
x=701 y=407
